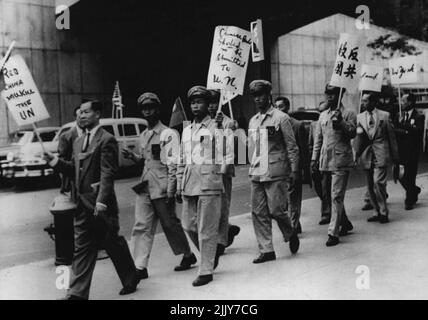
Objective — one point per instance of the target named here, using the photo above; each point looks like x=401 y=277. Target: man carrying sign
x=332 y=153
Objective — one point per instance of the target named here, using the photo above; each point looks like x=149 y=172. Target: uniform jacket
x=333 y=147
x=65 y=152
x=409 y=136
x=94 y=171
x=381 y=146
x=281 y=155
x=159 y=174
x=197 y=172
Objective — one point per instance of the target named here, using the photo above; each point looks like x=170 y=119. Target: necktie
x=371 y=120
x=406 y=117
x=86 y=143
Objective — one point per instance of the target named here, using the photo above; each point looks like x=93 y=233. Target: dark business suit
x=409 y=138
x=93 y=172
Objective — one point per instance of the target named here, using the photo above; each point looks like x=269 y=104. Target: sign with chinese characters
x=229 y=59
x=403 y=70
x=21 y=94
x=371 y=78
x=257 y=50
x=347 y=66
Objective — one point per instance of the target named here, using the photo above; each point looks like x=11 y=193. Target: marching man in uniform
x=332 y=154
x=156 y=193
x=200 y=183
x=269 y=172
x=226 y=230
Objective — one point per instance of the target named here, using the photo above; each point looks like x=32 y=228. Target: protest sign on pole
x=229 y=59
x=371 y=78
x=257 y=49
x=22 y=96
x=403 y=70
x=347 y=66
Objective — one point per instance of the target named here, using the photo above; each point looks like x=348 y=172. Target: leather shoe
x=186 y=263
x=232 y=233
x=374 y=219
x=332 y=241
x=202 y=280
x=367 y=206
x=294 y=243
x=324 y=220
x=263 y=257
x=383 y=219
x=346 y=228
x=131 y=287
x=142 y=274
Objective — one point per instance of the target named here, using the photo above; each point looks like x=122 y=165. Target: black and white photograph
x=213 y=155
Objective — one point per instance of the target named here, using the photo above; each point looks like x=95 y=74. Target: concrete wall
x=302 y=61
x=63 y=65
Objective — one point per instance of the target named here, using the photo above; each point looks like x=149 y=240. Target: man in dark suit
x=409 y=129
x=93 y=168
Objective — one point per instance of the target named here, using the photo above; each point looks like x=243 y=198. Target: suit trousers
x=201 y=219
x=408 y=181
x=269 y=201
x=338 y=180
x=147 y=215
x=90 y=234
x=294 y=201
x=376 y=180
x=225 y=210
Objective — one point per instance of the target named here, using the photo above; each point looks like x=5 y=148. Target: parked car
x=24 y=158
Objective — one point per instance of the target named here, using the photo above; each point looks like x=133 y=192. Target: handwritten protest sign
x=229 y=59
x=348 y=62
x=257 y=49
x=371 y=78
x=403 y=70
x=21 y=94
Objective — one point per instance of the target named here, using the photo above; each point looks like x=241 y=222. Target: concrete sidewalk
x=395 y=256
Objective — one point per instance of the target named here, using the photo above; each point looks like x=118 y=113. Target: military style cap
x=199 y=91
x=333 y=90
x=215 y=95
x=148 y=97
x=260 y=86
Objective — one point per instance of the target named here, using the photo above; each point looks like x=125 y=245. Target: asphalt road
x=24 y=213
